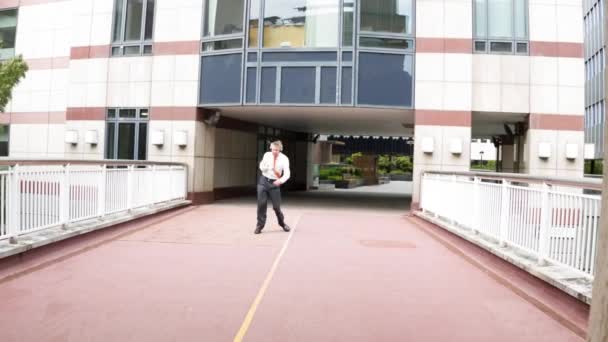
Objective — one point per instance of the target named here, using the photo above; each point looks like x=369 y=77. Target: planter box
x=349 y=184
x=405 y=177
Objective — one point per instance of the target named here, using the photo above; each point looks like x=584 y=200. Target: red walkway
x=193 y=275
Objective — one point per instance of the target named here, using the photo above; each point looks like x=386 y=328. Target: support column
x=449 y=135
x=198 y=153
x=507 y=157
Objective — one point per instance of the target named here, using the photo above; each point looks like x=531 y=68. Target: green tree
x=11 y=72
x=349 y=160
x=403 y=163
x=384 y=164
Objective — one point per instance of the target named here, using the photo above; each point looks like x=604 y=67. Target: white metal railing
x=36 y=197
x=554 y=219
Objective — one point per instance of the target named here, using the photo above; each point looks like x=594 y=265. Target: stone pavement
x=199 y=274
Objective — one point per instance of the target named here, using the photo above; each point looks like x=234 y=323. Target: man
x=275 y=172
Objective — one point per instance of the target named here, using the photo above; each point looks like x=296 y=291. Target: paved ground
x=346 y=273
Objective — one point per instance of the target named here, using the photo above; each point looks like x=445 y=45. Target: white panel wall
x=175 y=81
x=92 y=22
x=178 y=20
x=44 y=30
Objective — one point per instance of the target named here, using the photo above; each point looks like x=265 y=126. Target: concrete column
x=507 y=155
x=445 y=131
x=197 y=154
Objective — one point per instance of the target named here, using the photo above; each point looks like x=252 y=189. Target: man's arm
x=286 y=172
x=265 y=165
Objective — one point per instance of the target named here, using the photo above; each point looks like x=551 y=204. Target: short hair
x=278 y=144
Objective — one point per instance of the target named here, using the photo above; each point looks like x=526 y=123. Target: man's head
x=276 y=147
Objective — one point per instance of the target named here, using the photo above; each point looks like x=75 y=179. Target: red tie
x=274 y=168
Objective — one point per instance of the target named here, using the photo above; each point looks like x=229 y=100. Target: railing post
x=185 y=175
x=452 y=209
x=101 y=189
x=545 y=223
x=130 y=188
x=64 y=197
x=14 y=225
x=476 y=210
x=154 y=183
x=504 y=212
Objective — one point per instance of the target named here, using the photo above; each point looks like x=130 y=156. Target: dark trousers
x=268 y=190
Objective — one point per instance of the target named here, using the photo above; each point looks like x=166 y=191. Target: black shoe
x=286 y=228
x=258 y=230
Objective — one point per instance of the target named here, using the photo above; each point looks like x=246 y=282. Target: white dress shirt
x=281 y=166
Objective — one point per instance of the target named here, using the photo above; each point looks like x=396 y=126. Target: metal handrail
x=108 y=162
x=586 y=183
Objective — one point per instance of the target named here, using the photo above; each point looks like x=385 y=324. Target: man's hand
x=277 y=182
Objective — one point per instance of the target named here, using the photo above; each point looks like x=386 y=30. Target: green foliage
x=349 y=160
x=598 y=167
x=488 y=165
x=397 y=165
x=384 y=164
x=11 y=72
x=404 y=163
x=338 y=172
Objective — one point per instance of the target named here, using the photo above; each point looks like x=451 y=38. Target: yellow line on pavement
x=258 y=299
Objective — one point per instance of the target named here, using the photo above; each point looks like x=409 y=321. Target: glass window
x=149 y=20
x=392 y=16
x=254 y=23
x=269 y=85
x=127 y=113
x=348 y=22
x=480 y=18
x=505 y=47
x=328 y=85
x=500 y=23
x=480 y=46
x=223 y=17
x=521 y=23
x=110 y=139
x=8 y=32
x=118 y=17
x=223 y=44
x=299 y=56
x=347 y=85
x=133 y=24
x=143 y=141
x=252 y=78
x=221 y=79
x=385 y=43
x=503 y=24
x=135 y=9
x=126 y=141
x=298 y=85
x=385 y=79
x=301 y=23
x=4 y=138
x=127 y=134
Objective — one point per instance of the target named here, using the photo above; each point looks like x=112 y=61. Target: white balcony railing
x=554 y=219
x=38 y=195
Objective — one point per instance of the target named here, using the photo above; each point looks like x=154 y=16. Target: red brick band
x=444 y=45
x=454 y=118
x=33 y=118
x=556 y=122
x=556 y=49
